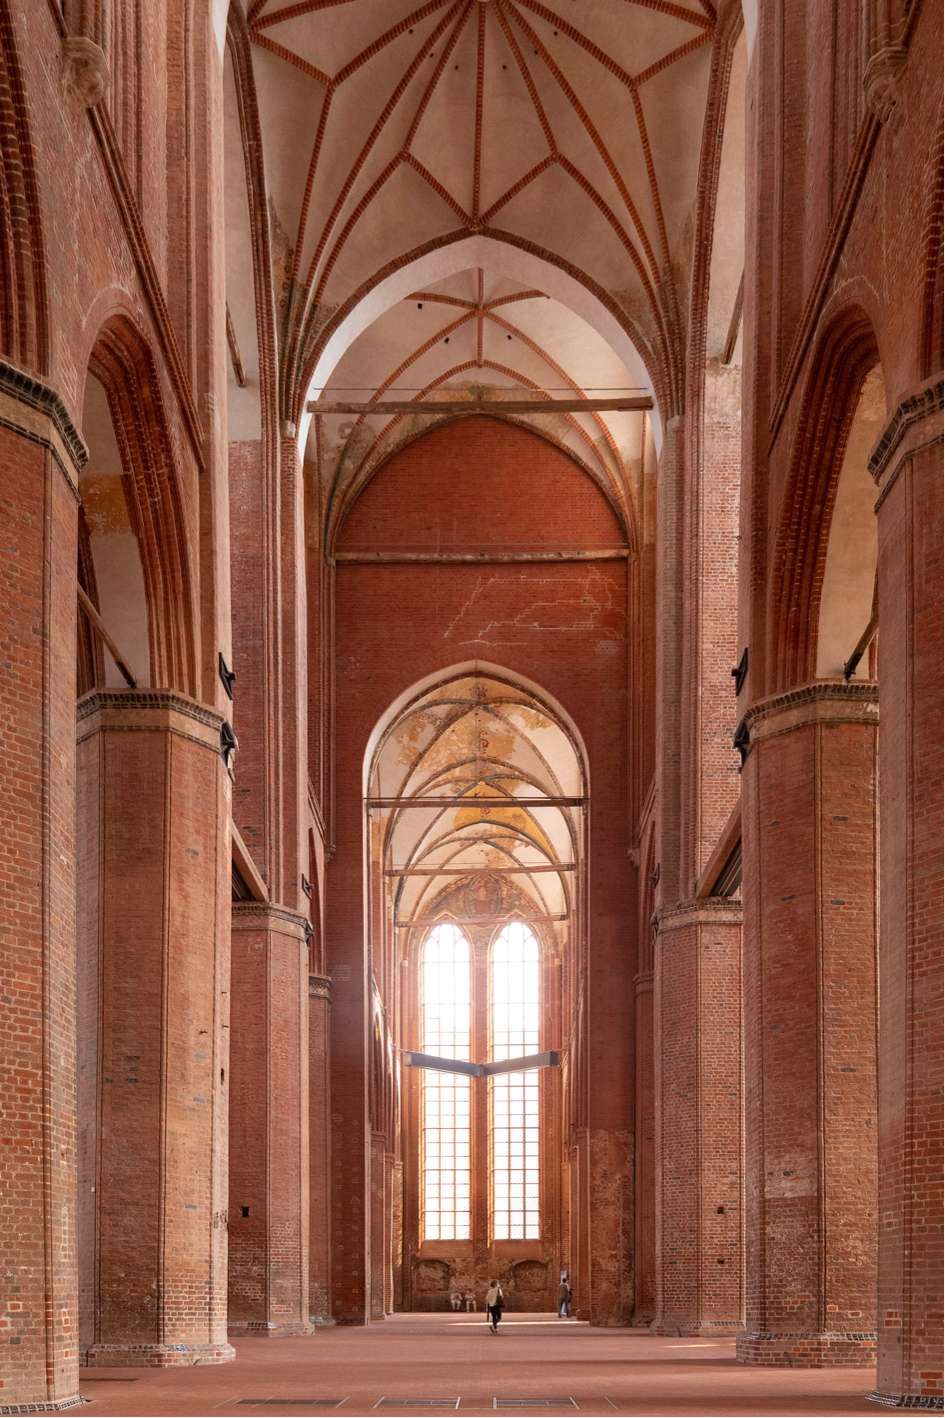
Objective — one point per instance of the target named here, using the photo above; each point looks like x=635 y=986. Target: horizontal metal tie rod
x=479 y=558
x=480 y=1070
x=424 y=921
x=487 y=406
x=477 y=870
x=474 y=802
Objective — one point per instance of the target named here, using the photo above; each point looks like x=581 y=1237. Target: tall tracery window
x=515 y=1001
x=445 y=1130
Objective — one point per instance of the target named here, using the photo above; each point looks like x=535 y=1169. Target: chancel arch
x=476 y=805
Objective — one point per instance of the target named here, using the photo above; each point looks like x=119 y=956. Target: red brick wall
x=563 y=626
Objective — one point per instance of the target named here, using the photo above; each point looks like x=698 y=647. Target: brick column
x=269 y=1143
x=155 y=802
x=809 y=832
x=697 y=1053
x=40 y=453
x=319 y=1167
x=378 y=1224
x=644 y=1242
x=907 y=467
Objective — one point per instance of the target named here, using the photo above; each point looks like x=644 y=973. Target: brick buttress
x=40 y=453
x=153 y=979
x=269 y=1220
x=907 y=468
x=809 y=828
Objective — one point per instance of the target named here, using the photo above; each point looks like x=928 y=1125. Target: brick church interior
x=470 y=688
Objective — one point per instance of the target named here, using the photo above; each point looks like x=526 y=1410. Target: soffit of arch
x=391 y=126
x=471 y=740
x=479 y=334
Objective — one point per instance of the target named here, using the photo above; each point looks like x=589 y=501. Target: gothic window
x=516 y=968
x=445 y=1132
x=457 y=1022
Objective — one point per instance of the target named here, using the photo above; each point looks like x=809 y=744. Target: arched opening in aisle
x=475 y=807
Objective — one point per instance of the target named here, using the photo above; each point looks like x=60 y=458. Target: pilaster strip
x=827 y=702
x=35 y=411
x=901 y=436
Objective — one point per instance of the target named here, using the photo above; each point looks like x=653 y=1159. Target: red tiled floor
x=605 y=1371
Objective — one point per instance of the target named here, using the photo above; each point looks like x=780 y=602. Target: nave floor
x=438 y=1356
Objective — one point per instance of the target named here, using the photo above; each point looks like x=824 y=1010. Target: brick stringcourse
x=26 y=389
x=251 y=915
x=57 y=1407
x=319 y=986
x=912 y=410
x=706 y=911
x=148 y=699
x=860 y=703
x=906 y=1400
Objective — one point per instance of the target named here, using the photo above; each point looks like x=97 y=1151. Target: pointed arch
x=24 y=318
x=122 y=362
x=847 y=352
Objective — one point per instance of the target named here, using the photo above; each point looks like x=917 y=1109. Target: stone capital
x=35 y=411
x=148 y=711
x=268 y=915
x=84 y=69
x=917 y=423
x=705 y=911
x=825 y=702
x=319 y=986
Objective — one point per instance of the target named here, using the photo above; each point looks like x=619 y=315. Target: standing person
x=456 y=1299
x=564 y=1300
x=470 y=1302
x=494 y=1302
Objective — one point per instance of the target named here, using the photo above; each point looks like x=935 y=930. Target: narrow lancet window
x=516 y=972
x=445 y=991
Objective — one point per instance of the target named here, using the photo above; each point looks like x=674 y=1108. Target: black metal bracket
x=740 y=671
x=227 y=742
x=742 y=741
x=227 y=675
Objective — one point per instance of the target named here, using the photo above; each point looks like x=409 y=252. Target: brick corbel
x=709 y=911
x=36 y=411
x=825 y=702
x=266 y=915
x=319 y=987
x=916 y=424
x=148 y=710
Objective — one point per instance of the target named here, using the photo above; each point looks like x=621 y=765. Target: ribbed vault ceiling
x=569 y=130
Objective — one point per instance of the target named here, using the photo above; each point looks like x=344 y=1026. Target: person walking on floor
x=494 y=1302
x=470 y=1302
x=564 y=1301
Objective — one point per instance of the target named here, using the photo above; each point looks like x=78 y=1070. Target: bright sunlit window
x=516 y=975
x=445 y=993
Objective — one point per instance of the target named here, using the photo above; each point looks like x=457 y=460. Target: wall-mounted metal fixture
x=740 y=671
x=309 y=931
x=227 y=742
x=654 y=879
x=742 y=741
x=227 y=675
x=306 y=886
